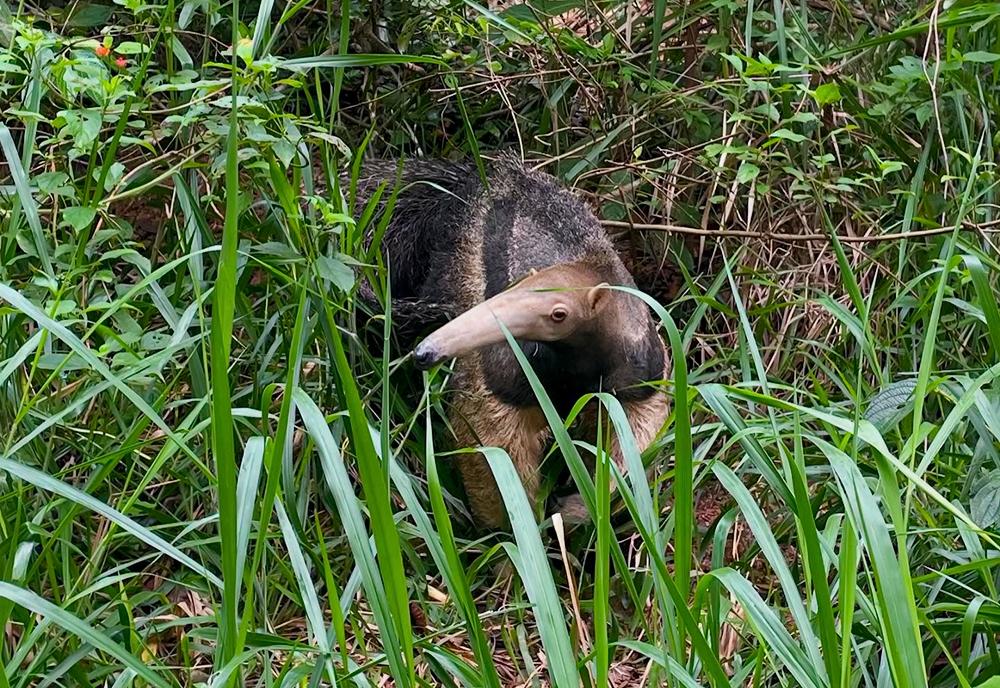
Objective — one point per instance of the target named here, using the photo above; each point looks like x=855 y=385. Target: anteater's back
x=429 y=219
x=529 y=222
x=454 y=240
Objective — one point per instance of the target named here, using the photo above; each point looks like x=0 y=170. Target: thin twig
x=697 y=231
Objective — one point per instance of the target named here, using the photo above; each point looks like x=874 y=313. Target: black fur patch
x=637 y=365
x=587 y=363
x=568 y=370
x=429 y=218
x=565 y=374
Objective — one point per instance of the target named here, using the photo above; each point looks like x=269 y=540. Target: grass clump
x=213 y=473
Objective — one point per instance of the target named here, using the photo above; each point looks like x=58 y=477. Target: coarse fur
x=454 y=242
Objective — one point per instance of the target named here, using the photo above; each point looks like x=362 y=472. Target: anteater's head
x=570 y=304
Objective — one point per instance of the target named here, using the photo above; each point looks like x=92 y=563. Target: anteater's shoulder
x=418 y=177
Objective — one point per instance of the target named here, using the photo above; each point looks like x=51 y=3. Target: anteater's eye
x=558 y=314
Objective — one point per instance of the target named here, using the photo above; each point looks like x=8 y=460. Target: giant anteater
x=521 y=250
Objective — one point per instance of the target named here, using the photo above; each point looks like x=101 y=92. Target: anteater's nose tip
x=424 y=356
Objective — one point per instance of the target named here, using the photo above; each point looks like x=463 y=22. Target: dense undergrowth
x=203 y=449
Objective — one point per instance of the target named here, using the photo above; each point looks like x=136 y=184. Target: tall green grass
x=215 y=473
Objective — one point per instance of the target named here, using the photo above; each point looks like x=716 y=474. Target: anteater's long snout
x=425 y=356
x=526 y=313
x=475 y=328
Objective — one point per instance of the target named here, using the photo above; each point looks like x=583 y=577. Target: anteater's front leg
x=645 y=417
x=481 y=420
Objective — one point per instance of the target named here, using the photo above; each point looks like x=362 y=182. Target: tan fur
x=481 y=420
x=645 y=418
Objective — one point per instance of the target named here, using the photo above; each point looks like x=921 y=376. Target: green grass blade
x=49 y=484
x=536 y=573
x=260 y=26
x=571 y=454
x=26 y=199
x=867 y=433
x=444 y=551
x=715 y=396
x=987 y=300
x=669 y=595
x=301 y=64
x=497 y=19
x=246 y=489
x=683 y=487
x=775 y=557
x=959 y=17
x=85 y=632
x=854 y=324
x=955 y=418
x=812 y=555
x=846 y=272
x=665 y=582
x=776 y=639
x=375 y=483
x=847 y=595
x=602 y=569
x=275 y=449
x=893 y=587
x=63 y=333
x=928 y=351
x=659 y=10
x=307 y=588
x=223 y=430
x=676 y=670
x=14 y=363
x=339 y=483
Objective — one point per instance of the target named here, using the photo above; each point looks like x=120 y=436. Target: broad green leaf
x=747 y=172
x=985 y=506
x=981 y=56
x=826 y=94
x=889 y=404
x=79 y=218
x=336 y=272
x=787 y=135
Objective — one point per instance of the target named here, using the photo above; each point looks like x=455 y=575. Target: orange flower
x=102 y=51
x=121 y=62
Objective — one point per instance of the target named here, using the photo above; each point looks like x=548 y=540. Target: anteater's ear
x=596 y=294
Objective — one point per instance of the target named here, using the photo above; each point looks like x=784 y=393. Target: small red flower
x=102 y=51
x=121 y=62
